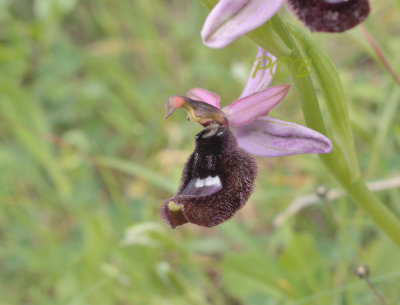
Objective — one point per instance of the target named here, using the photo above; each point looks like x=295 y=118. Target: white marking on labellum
x=202 y=187
x=209 y=181
x=199 y=182
x=212 y=181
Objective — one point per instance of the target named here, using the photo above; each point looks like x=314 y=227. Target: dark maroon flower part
x=330 y=15
x=217 y=180
x=230 y=19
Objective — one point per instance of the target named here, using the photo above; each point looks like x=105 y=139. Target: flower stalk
x=336 y=161
x=342 y=161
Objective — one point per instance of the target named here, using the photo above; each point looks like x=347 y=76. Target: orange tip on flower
x=197 y=111
x=173 y=102
x=177 y=101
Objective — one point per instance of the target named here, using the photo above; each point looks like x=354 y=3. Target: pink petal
x=200 y=94
x=230 y=19
x=248 y=108
x=270 y=137
x=261 y=75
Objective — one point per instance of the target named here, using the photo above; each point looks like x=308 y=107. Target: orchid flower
x=218 y=177
x=255 y=131
x=230 y=19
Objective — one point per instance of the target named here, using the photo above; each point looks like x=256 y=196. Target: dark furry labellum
x=217 y=180
x=330 y=15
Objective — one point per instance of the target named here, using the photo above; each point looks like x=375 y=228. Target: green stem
x=336 y=161
x=375 y=208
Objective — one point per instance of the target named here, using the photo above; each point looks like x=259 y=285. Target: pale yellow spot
x=173 y=207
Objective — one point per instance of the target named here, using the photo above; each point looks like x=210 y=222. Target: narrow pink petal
x=200 y=94
x=270 y=137
x=230 y=19
x=261 y=75
x=248 y=108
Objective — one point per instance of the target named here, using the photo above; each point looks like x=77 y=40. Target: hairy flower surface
x=230 y=19
x=217 y=180
x=218 y=177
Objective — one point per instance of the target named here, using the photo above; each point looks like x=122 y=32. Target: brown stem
x=379 y=53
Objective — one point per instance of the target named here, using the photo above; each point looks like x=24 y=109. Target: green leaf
x=138 y=170
x=302 y=257
x=336 y=102
x=252 y=273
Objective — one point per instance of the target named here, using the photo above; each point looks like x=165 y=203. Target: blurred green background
x=86 y=161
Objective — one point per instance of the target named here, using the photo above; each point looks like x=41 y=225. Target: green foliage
x=86 y=161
